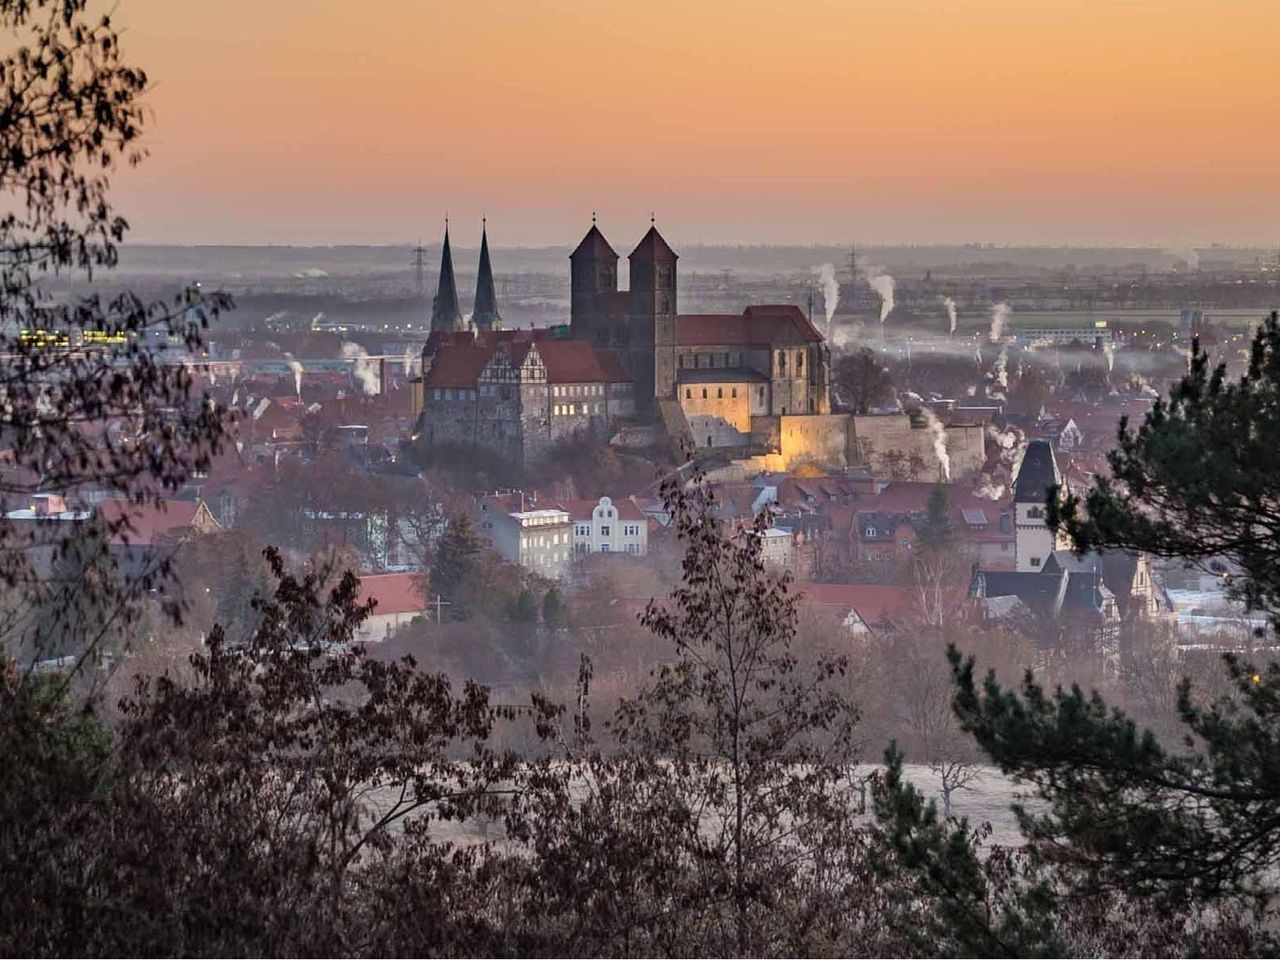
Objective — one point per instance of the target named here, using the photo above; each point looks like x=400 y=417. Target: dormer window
x=871 y=531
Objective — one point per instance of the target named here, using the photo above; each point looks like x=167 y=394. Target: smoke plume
x=364 y=369
x=950 y=304
x=408 y=361
x=1110 y=353
x=830 y=292
x=296 y=367
x=883 y=285
x=999 y=317
x=988 y=489
x=1188 y=255
x=939 y=441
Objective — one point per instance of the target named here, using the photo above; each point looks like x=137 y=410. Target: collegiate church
x=625 y=357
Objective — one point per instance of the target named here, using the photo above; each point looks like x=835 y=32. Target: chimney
x=384 y=377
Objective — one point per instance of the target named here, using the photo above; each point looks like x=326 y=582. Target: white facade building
x=538 y=538
x=603 y=526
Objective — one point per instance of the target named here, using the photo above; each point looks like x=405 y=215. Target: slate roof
x=720 y=375
x=1038 y=472
x=653 y=247
x=594 y=245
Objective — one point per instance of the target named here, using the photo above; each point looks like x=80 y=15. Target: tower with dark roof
x=593 y=283
x=1037 y=474
x=485 y=316
x=445 y=312
x=652 y=316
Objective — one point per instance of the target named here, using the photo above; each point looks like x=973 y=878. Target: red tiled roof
x=394 y=593
x=570 y=361
x=770 y=324
x=611 y=364
x=147 y=522
x=875 y=603
x=457 y=366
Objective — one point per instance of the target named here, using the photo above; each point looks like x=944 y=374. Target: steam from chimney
x=883 y=285
x=364 y=369
x=999 y=317
x=988 y=489
x=1188 y=255
x=408 y=361
x=296 y=367
x=1000 y=371
x=950 y=304
x=1110 y=353
x=939 y=441
x=830 y=292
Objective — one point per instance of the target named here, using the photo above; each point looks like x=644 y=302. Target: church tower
x=593 y=273
x=445 y=312
x=485 y=315
x=652 y=357
x=1034 y=541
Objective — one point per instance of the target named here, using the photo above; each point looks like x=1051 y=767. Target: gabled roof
x=570 y=361
x=148 y=522
x=594 y=246
x=394 y=593
x=653 y=247
x=875 y=603
x=611 y=364
x=581 y=509
x=457 y=367
x=757 y=325
x=1039 y=471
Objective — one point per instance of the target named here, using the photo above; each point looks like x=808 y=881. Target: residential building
x=606 y=526
x=536 y=537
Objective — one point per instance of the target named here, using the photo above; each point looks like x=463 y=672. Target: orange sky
x=877 y=121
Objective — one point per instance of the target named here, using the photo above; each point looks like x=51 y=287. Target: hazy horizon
x=1063 y=124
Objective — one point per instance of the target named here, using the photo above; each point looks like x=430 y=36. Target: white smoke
x=1011 y=443
x=296 y=367
x=939 y=441
x=1000 y=370
x=999 y=317
x=971 y=390
x=1110 y=353
x=364 y=369
x=1188 y=255
x=316 y=319
x=883 y=285
x=988 y=489
x=830 y=292
x=408 y=361
x=950 y=304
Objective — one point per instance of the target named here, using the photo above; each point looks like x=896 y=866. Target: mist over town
x=443 y=531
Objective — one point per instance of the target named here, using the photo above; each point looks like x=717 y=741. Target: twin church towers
x=638 y=323
x=446 y=314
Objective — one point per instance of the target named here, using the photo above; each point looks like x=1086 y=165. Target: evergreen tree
x=1195 y=827
x=457 y=560
x=937 y=533
x=525 y=609
x=1200 y=478
x=553 y=611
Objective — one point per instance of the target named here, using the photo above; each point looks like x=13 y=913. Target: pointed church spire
x=485 y=316
x=445 y=312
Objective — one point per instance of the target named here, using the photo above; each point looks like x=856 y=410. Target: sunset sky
x=808 y=121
